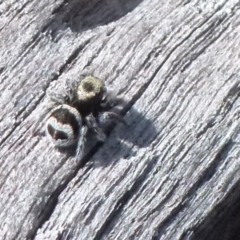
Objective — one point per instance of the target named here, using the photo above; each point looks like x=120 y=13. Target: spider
x=85 y=105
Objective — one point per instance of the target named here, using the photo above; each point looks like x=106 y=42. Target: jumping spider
x=85 y=105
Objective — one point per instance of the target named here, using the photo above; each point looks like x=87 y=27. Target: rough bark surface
x=173 y=172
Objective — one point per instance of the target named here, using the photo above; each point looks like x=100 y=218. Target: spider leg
x=71 y=86
x=71 y=91
x=81 y=142
x=92 y=123
x=109 y=100
x=57 y=98
x=111 y=116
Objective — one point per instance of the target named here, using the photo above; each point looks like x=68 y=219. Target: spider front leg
x=104 y=117
x=92 y=123
x=81 y=142
x=70 y=89
x=110 y=100
x=57 y=98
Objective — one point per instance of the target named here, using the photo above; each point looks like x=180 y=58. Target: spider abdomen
x=63 y=125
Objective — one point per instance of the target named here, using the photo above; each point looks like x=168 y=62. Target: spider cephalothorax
x=85 y=105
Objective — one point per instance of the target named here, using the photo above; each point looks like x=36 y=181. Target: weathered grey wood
x=173 y=172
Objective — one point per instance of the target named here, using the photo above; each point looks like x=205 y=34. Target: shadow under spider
x=138 y=131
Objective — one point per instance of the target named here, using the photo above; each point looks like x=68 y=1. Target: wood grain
x=173 y=172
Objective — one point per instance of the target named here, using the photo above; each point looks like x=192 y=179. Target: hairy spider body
x=63 y=125
x=86 y=105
